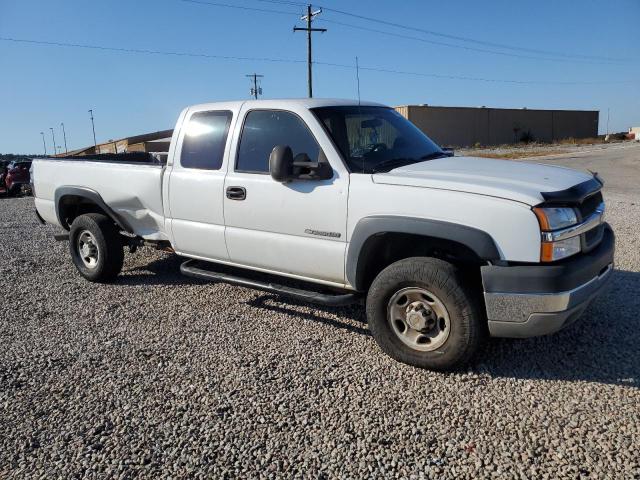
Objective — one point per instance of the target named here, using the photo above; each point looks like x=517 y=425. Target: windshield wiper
x=433 y=155
x=392 y=163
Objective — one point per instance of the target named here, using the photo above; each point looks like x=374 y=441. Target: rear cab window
x=204 y=140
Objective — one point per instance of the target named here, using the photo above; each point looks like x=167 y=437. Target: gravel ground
x=160 y=375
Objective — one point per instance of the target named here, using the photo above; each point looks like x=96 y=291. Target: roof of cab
x=290 y=103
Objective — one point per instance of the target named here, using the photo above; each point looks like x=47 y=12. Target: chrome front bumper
x=518 y=315
x=531 y=300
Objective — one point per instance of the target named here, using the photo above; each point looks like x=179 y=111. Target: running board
x=190 y=269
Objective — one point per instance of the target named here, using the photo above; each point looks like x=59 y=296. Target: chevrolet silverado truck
x=355 y=204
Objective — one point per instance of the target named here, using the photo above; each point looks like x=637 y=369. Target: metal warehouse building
x=466 y=126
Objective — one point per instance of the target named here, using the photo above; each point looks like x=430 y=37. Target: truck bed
x=128 y=157
x=130 y=184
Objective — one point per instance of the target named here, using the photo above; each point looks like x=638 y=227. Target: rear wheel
x=96 y=248
x=421 y=312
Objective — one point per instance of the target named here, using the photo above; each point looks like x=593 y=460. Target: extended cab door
x=196 y=183
x=296 y=228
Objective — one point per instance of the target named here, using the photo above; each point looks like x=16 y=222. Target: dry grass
x=518 y=154
x=533 y=145
x=581 y=141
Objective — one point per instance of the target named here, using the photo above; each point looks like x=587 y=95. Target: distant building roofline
x=483 y=107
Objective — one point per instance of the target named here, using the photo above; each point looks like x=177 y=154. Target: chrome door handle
x=236 y=193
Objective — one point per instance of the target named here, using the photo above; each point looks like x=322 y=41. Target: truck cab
x=357 y=204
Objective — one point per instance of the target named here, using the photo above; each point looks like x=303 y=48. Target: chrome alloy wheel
x=419 y=319
x=88 y=249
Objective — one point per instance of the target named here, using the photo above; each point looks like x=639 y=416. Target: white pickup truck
x=356 y=203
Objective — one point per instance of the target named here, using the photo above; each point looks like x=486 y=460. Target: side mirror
x=283 y=167
x=281 y=163
x=305 y=169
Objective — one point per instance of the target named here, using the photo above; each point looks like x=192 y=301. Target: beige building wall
x=118 y=146
x=465 y=126
x=511 y=126
x=148 y=142
x=574 y=124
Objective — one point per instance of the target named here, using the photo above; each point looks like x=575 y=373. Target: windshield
x=376 y=139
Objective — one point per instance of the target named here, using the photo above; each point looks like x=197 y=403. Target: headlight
x=557 y=218
x=552 y=251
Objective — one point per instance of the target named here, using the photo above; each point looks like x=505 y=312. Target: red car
x=16 y=176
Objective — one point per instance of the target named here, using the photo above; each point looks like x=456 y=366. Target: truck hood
x=518 y=181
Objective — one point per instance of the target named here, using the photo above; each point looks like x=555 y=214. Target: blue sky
x=42 y=86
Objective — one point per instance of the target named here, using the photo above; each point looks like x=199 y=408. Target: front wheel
x=96 y=248
x=421 y=313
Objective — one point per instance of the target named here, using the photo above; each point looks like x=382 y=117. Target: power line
x=285 y=2
x=478 y=79
x=589 y=59
x=463 y=47
x=295 y=61
x=238 y=7
x=148 y=52
x=449 y=36
x=466 y=39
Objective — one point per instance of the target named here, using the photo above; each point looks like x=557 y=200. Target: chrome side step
x=194 y=268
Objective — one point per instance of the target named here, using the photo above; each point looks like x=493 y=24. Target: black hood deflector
x=575 y=194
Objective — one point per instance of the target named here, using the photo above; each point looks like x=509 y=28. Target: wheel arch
x=378 y=241
x=72 y=201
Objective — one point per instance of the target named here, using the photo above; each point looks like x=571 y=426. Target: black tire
x=106 y=238
x=445 y=282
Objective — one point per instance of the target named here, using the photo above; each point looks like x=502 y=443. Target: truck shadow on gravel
x=603 y=346
x=162 y=271
x=350 y=318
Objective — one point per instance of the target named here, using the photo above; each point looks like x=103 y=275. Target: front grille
x=589 y=205
x=592 y=238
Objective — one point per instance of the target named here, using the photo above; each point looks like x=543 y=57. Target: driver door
x=296 y=228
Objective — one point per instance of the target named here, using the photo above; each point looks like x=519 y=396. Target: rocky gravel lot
x=159 y=375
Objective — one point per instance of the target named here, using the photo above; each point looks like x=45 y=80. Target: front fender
x=478 y=241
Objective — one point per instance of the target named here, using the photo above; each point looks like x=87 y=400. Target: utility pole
x=53 y=136
x=95 y=144
x=64 y=135
x=255 y=90
x=607 y=121
x=358 y=79
x=309 y=18
x=44 y=144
